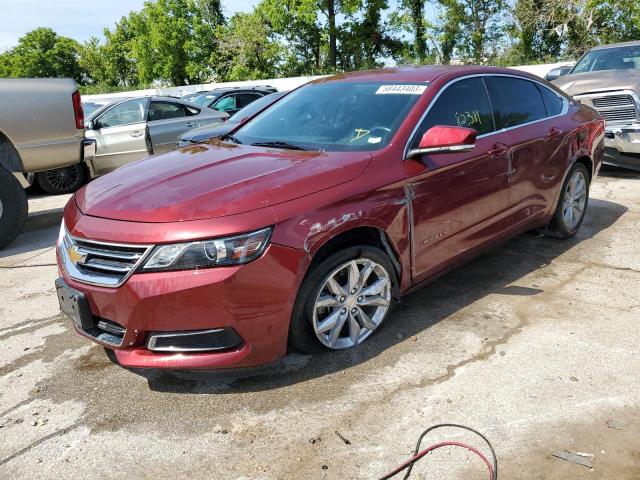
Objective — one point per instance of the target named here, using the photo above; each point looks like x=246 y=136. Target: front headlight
x=235 y=250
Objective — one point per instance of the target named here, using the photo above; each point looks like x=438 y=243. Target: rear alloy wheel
x=62 y=180
x=342 y=300
x=572 y=204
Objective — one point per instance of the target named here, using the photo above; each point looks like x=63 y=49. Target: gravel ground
x=535 y=344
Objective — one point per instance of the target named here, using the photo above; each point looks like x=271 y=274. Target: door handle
x=554 y=132
x=192 y=124
x=498 y=149
x=135 y=134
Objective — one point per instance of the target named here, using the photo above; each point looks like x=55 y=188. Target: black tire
x=558 y=228
x=62 y=180
x=13 y=208
x=301 y=333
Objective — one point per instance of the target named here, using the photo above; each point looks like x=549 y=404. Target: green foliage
x=296 y=23
x=43 y=53
x=247 y=49
x=176 y=42
x=473 y=28
x=548 y=29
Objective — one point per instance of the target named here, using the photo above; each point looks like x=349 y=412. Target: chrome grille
x=621 y=106
x=618 y=114
x=99 y=263
x=613 y=101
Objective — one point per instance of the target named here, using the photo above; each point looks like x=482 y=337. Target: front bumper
x=255 y=300
x=623 y=138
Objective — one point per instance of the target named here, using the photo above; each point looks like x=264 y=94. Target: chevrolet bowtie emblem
x=75 y=256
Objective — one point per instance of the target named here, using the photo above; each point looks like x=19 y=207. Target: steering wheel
x=379 y=127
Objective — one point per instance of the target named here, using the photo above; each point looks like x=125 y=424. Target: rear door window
x=165 y=111
x=465 y=103
x=515 y=101
x=244 y=99
x=190 y=111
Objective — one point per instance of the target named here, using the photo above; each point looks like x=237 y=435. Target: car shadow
x=618 y=172
x=40 y=231
x=492 y=272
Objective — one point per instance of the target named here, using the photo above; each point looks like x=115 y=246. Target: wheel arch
x=354 y=236
x=588 y=163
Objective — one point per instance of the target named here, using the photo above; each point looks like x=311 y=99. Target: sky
x=78 y=19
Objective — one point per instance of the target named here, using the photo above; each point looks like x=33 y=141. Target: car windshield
x=616 y=58
x=334 y=116
x=204 y=99
x=255 y=106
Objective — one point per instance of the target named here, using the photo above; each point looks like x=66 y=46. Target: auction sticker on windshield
x=401 y=89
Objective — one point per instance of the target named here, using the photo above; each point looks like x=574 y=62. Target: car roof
x=167 y=98
x=420 y=74
x=221 y=90
x=634 y=43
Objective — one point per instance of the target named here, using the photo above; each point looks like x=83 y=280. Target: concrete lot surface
x=534 y=344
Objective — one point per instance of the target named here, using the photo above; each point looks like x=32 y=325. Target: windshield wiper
x=233 y=138
x=278 y=144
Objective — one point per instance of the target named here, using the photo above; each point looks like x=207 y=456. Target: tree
x=548 y=29
x=168 y=41
x=474 y=27
x=248 y=48
x=43 y=53
x=331 y=35
x=120 y=65
x=366 y=39
x=296 y=23
x=415 y=11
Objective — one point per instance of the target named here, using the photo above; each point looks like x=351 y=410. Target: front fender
x=385 y=209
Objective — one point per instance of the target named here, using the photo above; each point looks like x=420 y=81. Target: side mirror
x=557 y=72
x=445 y=139
x=89 y=125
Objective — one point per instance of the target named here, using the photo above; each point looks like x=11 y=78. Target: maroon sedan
x=301 y=227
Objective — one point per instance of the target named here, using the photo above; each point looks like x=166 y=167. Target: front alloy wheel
x=343 y=299
x=351 y=303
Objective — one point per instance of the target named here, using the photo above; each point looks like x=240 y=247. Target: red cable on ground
x=433 y=447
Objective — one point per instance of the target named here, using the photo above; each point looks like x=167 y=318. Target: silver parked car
x=135 y=128
x=126 y=130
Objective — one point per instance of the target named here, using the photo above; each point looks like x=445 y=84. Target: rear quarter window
x=553 y=103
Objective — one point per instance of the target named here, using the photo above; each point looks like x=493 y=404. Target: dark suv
x=229 y=99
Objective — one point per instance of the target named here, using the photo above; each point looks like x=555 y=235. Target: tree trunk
x=331 y=16
x=416 y=7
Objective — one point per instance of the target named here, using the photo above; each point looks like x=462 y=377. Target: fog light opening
x=194 y=341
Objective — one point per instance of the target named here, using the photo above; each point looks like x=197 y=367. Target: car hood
x=202 y=134
x=607 y=80
x=215 y=180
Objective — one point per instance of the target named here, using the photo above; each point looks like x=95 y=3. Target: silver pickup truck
x=41 y=128
x=607 y=78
